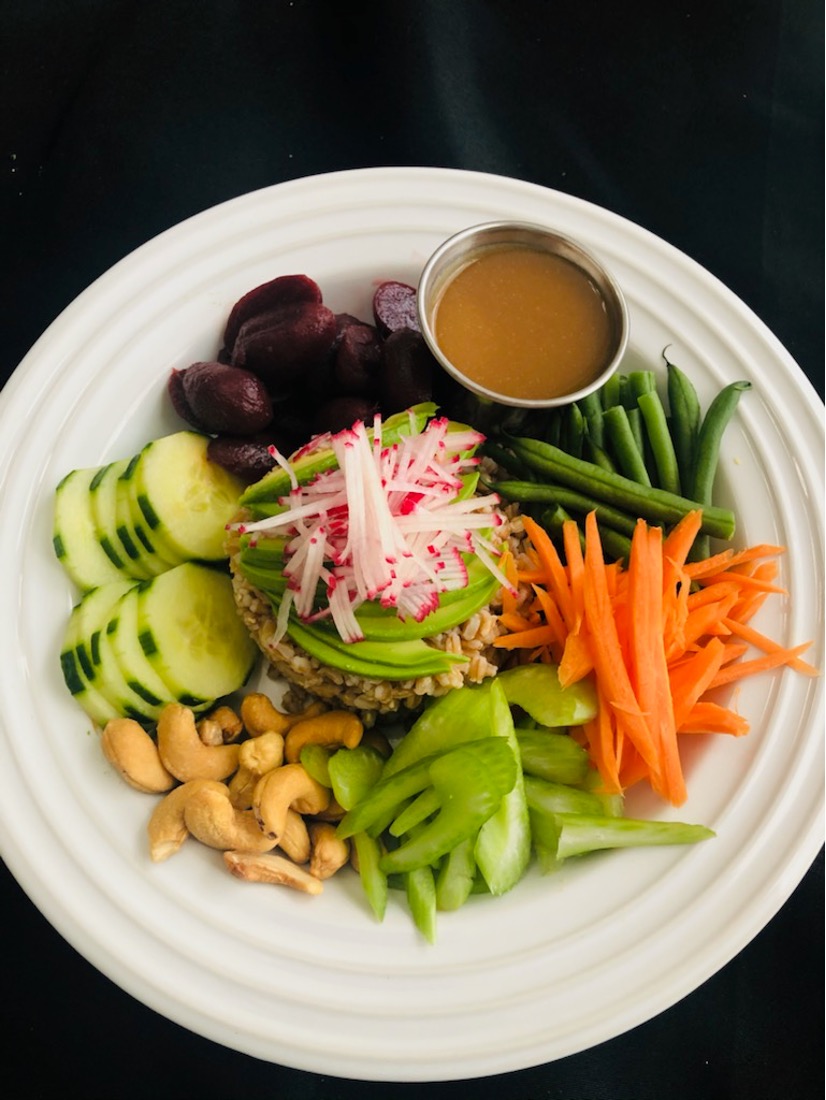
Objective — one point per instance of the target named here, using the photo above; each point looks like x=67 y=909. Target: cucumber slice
x=140 y=674
x=144 y=536
x=131 y=700
x=118 y=545
x=186 y=501
x=140 y=550
x=191 y=632
x=75 y=533
x=80 y=649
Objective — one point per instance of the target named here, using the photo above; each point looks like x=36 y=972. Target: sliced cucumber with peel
x=192 y=635
x=131 y=648
x=75 y=533
x=80 y=649
x=185 y=500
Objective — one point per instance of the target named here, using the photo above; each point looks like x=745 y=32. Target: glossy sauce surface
x=523 y=323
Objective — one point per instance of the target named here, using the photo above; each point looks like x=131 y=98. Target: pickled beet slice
x=226 y=399
x=342 y=412
x=286 y=290
x=407 y=371
x=248 y=459
x=285 y=344
x=175 y=388
x=394 y=307
x=357 y=359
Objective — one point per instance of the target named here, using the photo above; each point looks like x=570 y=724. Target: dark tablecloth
x=700 y=122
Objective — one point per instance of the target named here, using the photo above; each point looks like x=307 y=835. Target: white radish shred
x=389 y=525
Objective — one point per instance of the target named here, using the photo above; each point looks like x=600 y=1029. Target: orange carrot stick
x=766 y=645
x=768 y=661
x=609 y=662
x=555 y=577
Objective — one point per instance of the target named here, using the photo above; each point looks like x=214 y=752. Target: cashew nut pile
x=235 y=783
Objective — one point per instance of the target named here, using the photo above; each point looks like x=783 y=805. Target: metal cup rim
x=449 y=255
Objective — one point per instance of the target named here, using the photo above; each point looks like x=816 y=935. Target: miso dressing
x=523 y=323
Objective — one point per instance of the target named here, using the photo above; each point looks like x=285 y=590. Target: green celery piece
x=503 y=847
x=315 y=759
x=353 y=773
x=461 y=715
x=386 y=797
x=262 y=497
x=373 y=879
x=471 y=782
x=581 y=833
x=421 y=898
x=416 y=812
x=536 y=689
x=547 y=858
x=404 y=660
x=549 y=798
x=454 y=881
x=553 y=756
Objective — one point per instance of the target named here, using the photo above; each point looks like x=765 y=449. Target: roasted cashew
x=256 y=756
x=211 y=818
x=329 y=851
x=260 y=715
x=220 y=727
x=167 y=827
x=295 y=840
x=269 y=867
x=128 y=746
x=183 y=752
x=334 y=727
x=332 y=812
x=285 y=788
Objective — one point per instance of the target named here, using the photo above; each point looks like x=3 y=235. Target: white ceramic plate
x=559 y=964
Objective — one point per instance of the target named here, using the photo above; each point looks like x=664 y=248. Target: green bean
x=718 y=414
x=640 y=382
x=573 y=431
x=506 y=459
x=597 y=455
x=659 y=438
x=638 y=431
x=654 y=505
x=624 y=446
x=614 y=545
x=610 y=392
x=553 y=519
x=684 y=406
x=591 y=408
x=553 y=429
x=532 y=492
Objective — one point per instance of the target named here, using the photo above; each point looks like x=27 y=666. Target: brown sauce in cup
x=523 y=323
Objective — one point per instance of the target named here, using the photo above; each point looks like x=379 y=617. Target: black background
x=701 y=122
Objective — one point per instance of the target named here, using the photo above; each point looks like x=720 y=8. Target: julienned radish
x=387 y=523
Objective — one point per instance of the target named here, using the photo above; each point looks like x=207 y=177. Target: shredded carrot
x=657 y=636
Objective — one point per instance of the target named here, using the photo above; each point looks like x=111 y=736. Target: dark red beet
x=282 y=347
x=342 y=412
x=226 y=399
x=406 y=373
x=248 y=459
x=357 y=359
x=394 y=307
x=175 y=388
x=286 y=290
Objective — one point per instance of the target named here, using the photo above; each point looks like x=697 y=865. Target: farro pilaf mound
x=372 y=698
